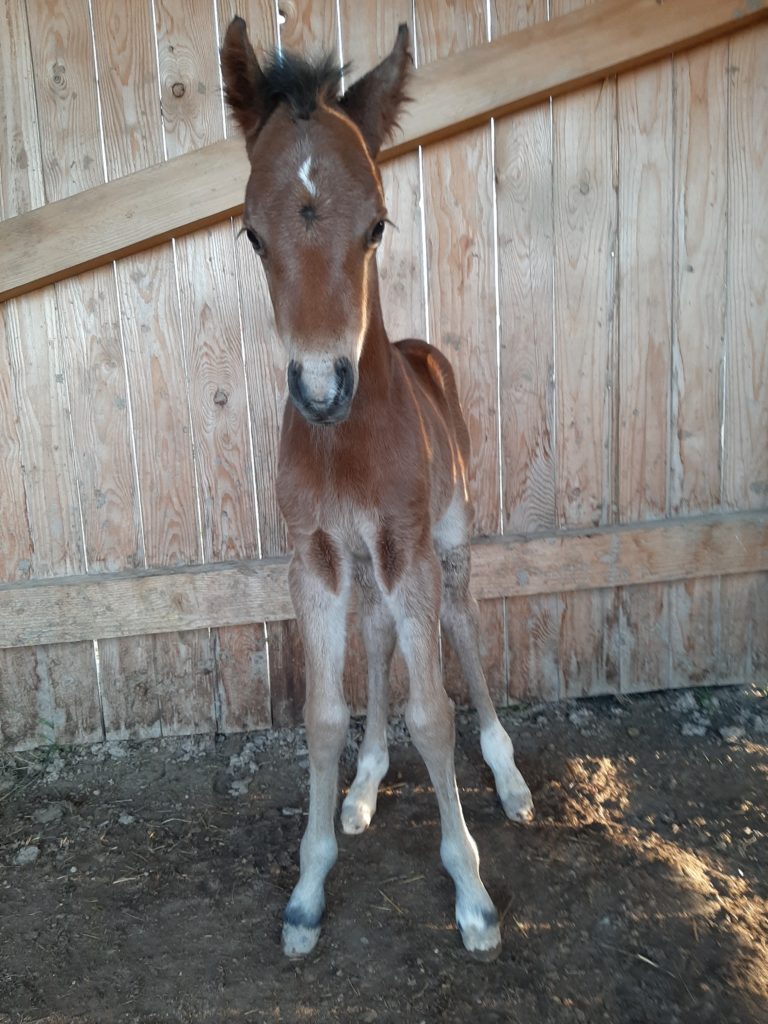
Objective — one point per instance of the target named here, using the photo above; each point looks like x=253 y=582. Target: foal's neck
x=376 y=356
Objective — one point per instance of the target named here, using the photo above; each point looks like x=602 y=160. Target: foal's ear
x=374 y=101
x=244 y=82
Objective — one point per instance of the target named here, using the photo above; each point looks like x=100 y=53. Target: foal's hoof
x=299 y=940
x=518 y=804
x=355 y=816
x=300 y=932
x=482 y=940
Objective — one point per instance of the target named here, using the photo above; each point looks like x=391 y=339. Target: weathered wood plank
x=698 y=331
x=585 y=227
x=458 y=93
x=646 y=204
x=194 y=596
x=745 y=426
x=310 y=26
x=527 y=362
x=38 y=386
x=19 y=191
x=181 y=665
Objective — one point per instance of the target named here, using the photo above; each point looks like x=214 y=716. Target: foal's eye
x=375 y=233
x=256 y=242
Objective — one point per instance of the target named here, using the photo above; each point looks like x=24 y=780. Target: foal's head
x=314 y=207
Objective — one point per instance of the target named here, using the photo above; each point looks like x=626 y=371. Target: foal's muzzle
x=325 y=399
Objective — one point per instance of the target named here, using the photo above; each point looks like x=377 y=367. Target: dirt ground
x=145 y=882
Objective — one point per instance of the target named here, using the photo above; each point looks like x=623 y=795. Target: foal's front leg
x=373 y=759
x=321 y=614
x=415 y=604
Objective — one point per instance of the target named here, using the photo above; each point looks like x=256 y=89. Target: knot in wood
x=178 y=89
x=221 y=397
x=58 y=73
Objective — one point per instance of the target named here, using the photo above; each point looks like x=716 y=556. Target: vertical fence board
x=19 y=191
x=58 y=689
x=585 y=227
x=88 y=321
x=526 y=257
x=461 y=283
x=181 y=664
x=698 y=326
x=310 y=27
x=745 y=433
x=645 y=302
x=212 y=339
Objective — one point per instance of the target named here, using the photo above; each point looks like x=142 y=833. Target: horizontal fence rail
x=194 y=597
x=133 y=213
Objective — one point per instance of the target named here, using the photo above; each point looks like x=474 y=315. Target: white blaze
x=304 y=176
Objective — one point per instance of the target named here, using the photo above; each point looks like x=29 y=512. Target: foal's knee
x=327 y=723
x=430 y=720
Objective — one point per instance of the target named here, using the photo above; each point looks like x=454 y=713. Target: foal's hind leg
x=373 y=759
x=460 y=620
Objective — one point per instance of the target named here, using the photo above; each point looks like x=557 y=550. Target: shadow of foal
x=372 y=477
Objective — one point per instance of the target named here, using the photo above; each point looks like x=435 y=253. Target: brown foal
x=372 y=478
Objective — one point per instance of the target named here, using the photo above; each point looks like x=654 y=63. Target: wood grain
x=646 y=205
x=213 y=352
x=698 y=330
x=207 y=186
x=527 y=361
x=19 y=191
x=88 y=310
x=745 y=428
x=585 y=228
x=151 y=323
x=42 y=438
x=87 y=307
x=310 y=26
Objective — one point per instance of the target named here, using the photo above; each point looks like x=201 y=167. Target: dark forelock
x=300 y=83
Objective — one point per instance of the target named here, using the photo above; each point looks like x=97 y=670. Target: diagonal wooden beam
x=192 y=191
x=135 y=603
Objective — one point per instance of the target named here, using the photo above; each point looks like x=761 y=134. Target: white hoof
x=299 y=939
x=499 y=755
x=356 y=815
x=517 y=802
x=360 y=803
x=482 y=937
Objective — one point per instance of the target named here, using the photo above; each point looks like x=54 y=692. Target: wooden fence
x=593 y=259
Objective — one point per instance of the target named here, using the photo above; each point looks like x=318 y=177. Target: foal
x=372 y=477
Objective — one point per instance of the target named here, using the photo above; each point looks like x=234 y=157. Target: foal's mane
x=300 y=83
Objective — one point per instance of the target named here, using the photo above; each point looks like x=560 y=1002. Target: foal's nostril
x=294 y=382
x=345 y=379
